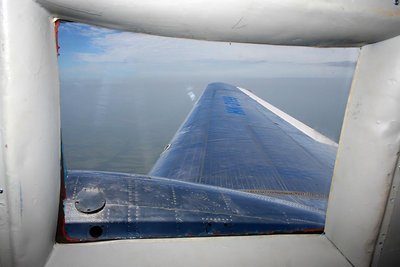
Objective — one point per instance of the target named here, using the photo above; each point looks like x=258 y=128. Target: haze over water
x=124 y=95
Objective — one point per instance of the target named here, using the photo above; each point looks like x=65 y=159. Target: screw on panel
x=1 y=190
x=396 y=2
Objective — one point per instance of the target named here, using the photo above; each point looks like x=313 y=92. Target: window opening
x=124 y=97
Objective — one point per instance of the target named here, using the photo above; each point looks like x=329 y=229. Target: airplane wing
x=233 y=139
x=236 y=166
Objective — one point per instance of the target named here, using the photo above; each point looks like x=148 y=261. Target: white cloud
x=140 y=49
x=86 y=30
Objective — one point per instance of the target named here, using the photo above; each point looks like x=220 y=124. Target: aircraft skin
x=233 y=168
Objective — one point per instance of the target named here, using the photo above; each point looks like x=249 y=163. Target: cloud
x=126 y=46
x=344 y=64
x=115 y=47
x=85 y=30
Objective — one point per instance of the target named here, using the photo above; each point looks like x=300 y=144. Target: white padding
x=286 y=250
x=30 y=134
x=285 y=22
x=367 y=153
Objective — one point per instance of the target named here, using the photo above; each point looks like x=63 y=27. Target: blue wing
x=234 y=167
x=232 y=141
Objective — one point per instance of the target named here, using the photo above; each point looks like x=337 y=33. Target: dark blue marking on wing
x=232 y=105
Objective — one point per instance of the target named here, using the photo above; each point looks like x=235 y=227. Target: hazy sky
x=94 y=52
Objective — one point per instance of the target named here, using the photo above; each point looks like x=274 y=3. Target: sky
x=124 y=95
x=93 y=52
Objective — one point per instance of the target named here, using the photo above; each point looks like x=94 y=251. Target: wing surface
x=230 y=140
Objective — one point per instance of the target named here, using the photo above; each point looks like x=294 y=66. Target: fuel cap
x=90 y=200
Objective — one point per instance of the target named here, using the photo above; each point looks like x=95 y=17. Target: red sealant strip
x=56 y=26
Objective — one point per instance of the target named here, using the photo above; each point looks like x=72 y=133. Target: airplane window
x=167 y=137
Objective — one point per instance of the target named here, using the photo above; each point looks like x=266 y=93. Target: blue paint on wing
x=139 y=206
x=232 y=105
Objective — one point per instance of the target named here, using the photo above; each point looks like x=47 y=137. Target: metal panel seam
x=344 y=256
